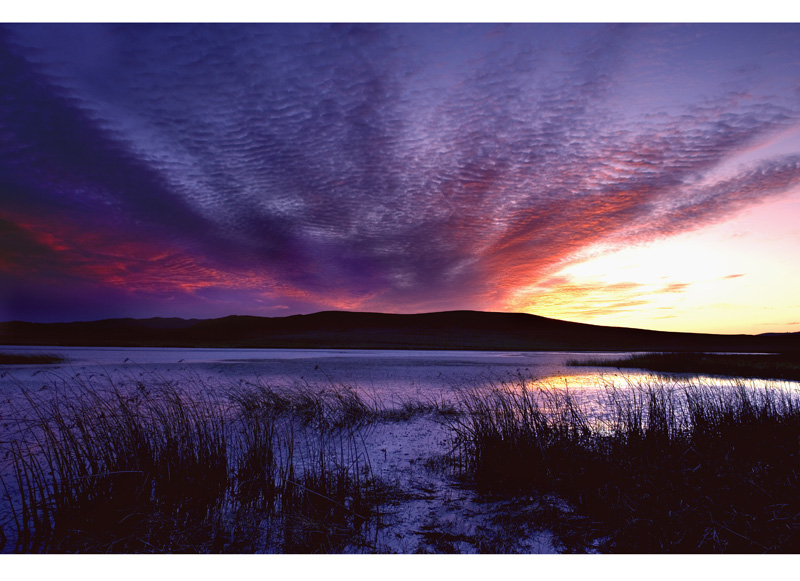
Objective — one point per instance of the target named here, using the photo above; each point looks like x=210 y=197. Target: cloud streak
x=394 y=168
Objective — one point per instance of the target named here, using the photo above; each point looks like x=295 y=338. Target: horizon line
x=199 y=319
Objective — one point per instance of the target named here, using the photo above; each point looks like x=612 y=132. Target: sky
x=638 y=175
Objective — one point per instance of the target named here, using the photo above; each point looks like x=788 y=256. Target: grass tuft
x=667 y=469
x=144 y=468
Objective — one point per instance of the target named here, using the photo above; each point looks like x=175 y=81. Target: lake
x=433 y=505
x=385 y=374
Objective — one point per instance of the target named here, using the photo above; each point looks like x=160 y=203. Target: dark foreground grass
x=24 y=359
x=330 y=407
x=758 y=366
x=668 y=470
x=98 y=468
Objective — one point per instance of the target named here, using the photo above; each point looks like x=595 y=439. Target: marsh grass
x=142 y=466
x=100 y=467
x=785 y=366
x=331 y=407
x=96 y=468
x=668 y=468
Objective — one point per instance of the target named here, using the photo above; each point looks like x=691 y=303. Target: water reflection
x=643 y=380
x=603 y=396
x=385 y=375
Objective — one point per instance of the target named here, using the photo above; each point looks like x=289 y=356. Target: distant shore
x=783 y=366
x=453 y=330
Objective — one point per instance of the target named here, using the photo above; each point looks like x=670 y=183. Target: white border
x=398 y=11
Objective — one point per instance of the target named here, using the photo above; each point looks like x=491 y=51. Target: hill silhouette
x=355 y=330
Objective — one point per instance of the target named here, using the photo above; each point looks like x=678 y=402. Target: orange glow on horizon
x=739 y=276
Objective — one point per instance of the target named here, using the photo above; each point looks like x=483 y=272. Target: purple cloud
x=394 y=167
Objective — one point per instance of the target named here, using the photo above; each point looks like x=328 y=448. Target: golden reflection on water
x=592 y=381
x=597 y=393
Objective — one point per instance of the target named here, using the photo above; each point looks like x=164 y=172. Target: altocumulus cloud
x=245 y=168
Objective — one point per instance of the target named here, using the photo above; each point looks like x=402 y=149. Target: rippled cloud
x=260 y=168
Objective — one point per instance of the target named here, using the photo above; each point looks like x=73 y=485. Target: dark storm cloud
x=391 y=167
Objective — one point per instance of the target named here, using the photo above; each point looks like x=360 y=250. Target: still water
x=396 y=450
x=385 y=375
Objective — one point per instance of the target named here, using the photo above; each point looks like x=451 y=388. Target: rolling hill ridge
x=357 y=330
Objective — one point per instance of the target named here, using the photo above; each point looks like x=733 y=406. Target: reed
x=331 y=407
x=100 y=467
x=666 y=468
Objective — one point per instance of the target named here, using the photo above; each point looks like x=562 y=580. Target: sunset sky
x=642 y=175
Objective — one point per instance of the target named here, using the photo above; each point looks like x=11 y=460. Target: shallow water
x=385 y=374
x=435 y=507
x=388 y=376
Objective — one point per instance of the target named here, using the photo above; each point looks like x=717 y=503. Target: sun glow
x=738 y=276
